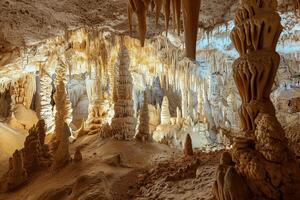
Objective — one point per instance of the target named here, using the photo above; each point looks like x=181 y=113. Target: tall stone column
x=260 y=165
x=123 y=123
x=46 y=112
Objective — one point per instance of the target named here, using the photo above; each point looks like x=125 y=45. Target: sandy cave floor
x=122 y=170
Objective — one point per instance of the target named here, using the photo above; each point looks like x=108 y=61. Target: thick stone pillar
x=260 y=166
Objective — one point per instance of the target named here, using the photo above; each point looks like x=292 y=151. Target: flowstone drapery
x=260 y=165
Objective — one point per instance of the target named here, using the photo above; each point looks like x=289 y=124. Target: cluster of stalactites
x=297 y=6
x=190 y=10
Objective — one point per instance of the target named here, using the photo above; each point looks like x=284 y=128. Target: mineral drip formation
x=33 y=157
x=123 y=123
x=260 y=164
x=165 y=112
x=143 y=130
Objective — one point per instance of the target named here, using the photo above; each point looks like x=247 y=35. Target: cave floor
x=121 y=170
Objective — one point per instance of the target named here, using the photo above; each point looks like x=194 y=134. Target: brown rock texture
x=77 y=155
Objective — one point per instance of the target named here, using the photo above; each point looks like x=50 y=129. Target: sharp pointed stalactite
x=167 y=12
x=177 y=14
x=138 y=7
x=158 y=7
x=191 y=11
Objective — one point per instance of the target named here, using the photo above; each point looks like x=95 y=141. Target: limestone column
x=261 y=164
x=46 y=112
x=123 y=123
x=98 y=107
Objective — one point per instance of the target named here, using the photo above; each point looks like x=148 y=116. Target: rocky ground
x=120 y=170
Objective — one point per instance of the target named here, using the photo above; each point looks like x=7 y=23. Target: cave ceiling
x=26 y=22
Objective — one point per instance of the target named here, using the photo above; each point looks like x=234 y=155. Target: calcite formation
x=77 y=155
x=123 y=123
x=45 y=111
x=165 y=112
x=263 y=166
x=63 y=110
x=62 y=155
x=36 y=154
x=143 y=129
x=191 y=11
x=139 y=7
x=188 y=147
x=16 y=175
x=33 y=157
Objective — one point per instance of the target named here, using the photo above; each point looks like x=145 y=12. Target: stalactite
x=177 y=14
x=167 y=12
x=139 y=8
x=158 y=7
x=191 y=11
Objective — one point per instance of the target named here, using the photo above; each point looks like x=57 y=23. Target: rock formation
x=36 y=154
x=188 y=147
x=62 y=155
x=33 y=157
x=46 y=107
x=123 y=123
x=261 y=158
x=77 y=155
x=143 y=129
x=16 y=175
x=98 y=106
x=167 y=12
x=63 y=109
x=139 y=7
x=191 y=11
x=165 y=112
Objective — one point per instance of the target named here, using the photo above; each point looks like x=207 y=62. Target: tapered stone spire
x=263 y=166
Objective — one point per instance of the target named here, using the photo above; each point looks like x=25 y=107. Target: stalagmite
x=16 y=175
x=36 y=154
x=62 y=110
x=261 y=156
x=98 y=107
x=191 y=11
x=188 y=148
x=178 y=116
x=165 y=112
x=77 y=155
x=62 y=155
x=143 y=130
x=46 y=107
x=123 y=123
